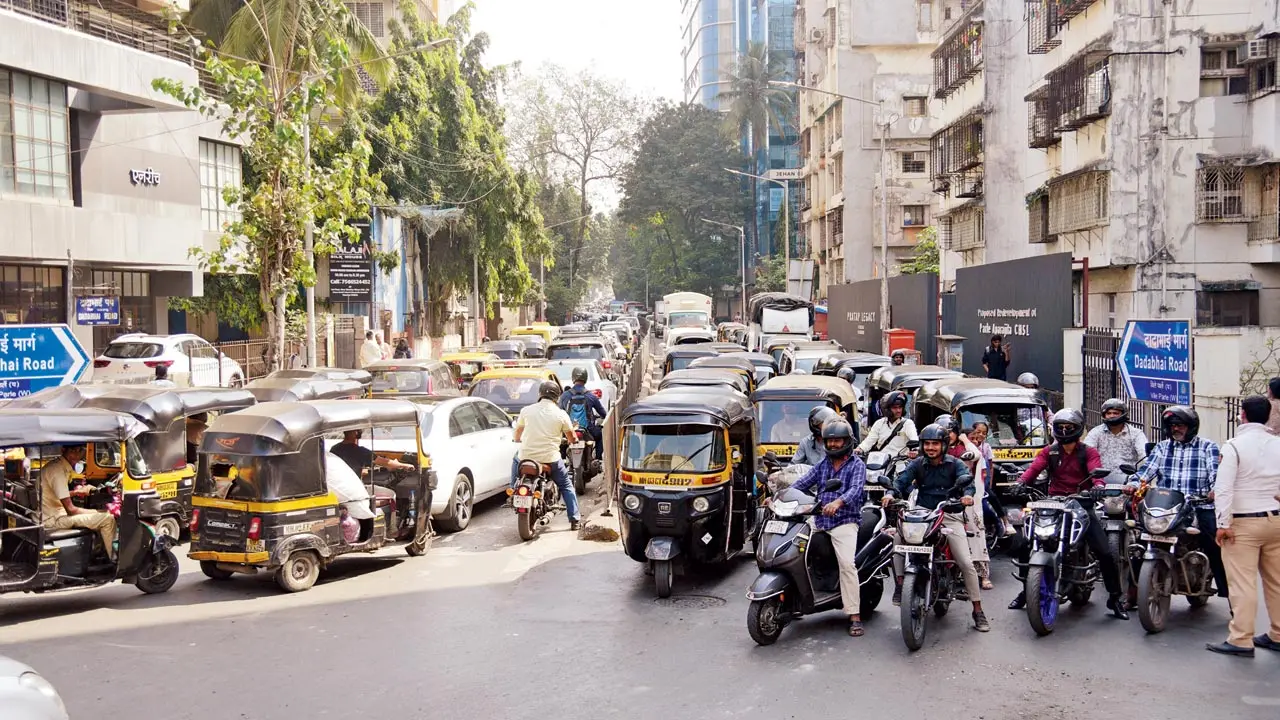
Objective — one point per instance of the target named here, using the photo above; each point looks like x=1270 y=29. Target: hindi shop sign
x=351 y=273
x=35 y=357
x=97 y=310
x=1155 y=360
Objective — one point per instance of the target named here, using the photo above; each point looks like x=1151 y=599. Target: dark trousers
x=597 y=434
x=1095 y=536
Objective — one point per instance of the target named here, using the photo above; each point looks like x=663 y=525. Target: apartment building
x=710 y=38
x=378 y=14
x=876 y=54
x=99 y=172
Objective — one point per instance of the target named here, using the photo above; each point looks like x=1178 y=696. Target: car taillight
x=606 y=364
x=598 y=393
x=255 y=528
x=195 y=520
x=101 y=363
x=157 y=363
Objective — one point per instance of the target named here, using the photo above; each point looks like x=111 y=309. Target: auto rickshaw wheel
x=299 y=572
x=663 y=577
x=158 y=573
x=169 y=525
x=213 y=572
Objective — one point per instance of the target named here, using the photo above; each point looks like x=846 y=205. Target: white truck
x=778 y=316
x=686 y=314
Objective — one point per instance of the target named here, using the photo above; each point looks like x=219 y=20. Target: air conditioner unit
x=1253 y=51
x=816 y=35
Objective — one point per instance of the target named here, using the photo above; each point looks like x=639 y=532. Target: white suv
x=132 y=359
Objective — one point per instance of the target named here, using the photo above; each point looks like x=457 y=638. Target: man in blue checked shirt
x=1188 y=463
x=841 y=509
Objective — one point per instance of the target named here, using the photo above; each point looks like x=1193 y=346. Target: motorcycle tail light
x=523 y=490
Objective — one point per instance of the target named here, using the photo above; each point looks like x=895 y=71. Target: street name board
x=97 y=310
x=351 y=272
x=786 y=173
x=1155 y=360
x=35 y=357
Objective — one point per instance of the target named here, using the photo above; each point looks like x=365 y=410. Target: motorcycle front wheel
x=764 y=620
x=1153 y=601
x=913 y=613
x=1042 y=599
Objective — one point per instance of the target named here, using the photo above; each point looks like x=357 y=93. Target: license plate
x=167 y=493
x=1160 y=538
x=522 y=501
x=777 y=527
x=913 y=549
x=1047 y=505
x=1113 y=524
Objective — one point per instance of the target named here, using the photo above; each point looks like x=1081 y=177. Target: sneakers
x=1019 y=603
x=980 y=622
x=897 y=595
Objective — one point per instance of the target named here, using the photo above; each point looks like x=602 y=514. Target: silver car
x=597 y=382
x=26 y=695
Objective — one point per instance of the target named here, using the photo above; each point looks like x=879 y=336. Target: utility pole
x=884 y=235
x=742 y=249
x=309 y=257
x=475 y=290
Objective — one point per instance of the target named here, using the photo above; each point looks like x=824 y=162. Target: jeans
x=561 y=478
x=1095 y=536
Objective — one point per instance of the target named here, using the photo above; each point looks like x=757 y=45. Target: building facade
x=712 y=32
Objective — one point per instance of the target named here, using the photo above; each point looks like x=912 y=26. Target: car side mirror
x=832 y=485
x=1128 y=469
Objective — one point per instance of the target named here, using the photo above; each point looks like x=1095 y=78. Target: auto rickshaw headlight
x=631 y=502
x=701 y=504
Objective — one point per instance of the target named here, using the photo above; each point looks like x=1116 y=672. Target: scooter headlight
x=701 y=504
x=913 y=532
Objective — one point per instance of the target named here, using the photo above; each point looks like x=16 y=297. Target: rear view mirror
x=771 y=456
x=1128 y=469
x=1150 y=446
x=1099 y=473
x=913 y=444
x=832 y=485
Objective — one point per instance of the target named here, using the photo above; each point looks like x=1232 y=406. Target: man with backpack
x=585 y=409
x=893 y=430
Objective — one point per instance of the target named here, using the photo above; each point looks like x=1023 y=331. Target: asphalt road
x=486 y=627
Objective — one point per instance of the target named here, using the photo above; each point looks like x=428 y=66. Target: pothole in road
x=691 y=602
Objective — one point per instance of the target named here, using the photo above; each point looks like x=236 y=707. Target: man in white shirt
x=55 y=501
x=1248 y=515
x=893 y=430
x=370 y=350
x=1117 y=442
x=540 y=429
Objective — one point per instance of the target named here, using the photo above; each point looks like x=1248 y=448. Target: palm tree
x=756 y=104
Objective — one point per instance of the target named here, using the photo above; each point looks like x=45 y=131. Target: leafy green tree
x=926 y=258
x=772 y=275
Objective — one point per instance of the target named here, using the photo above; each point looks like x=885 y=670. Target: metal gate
x=345 y=342
x=1102 y=381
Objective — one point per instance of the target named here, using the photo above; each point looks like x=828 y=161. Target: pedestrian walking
x=1273 y=394
x=370 y=351
x=1247 y=495
x=995 y=361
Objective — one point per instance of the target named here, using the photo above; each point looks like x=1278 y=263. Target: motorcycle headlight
x=1157 y=523
x=1046 y=530
x=913 y=533
x=701 y=504
x=1113 y=505
x=631 y=502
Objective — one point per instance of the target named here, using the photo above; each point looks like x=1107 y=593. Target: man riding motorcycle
x=1188 y=463
x=841 y=509
x=1118 y=442
x=893 y=431
x=1069 y=463
x=936 y=477
x=585 y=410
x=539 y=430
x=812 y=450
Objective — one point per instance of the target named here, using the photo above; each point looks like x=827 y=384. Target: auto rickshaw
x=163 y=447
x=265 y=501
x=687 y=479
x=513 y=349
x=415 y=376
x=906 y=378
x=766 y=367
x=511 y=389
x=736 y=363
x=326 y=373
x=465 y=365
x=36 y=558
x=546 y=332
x=725 y=348
x=706 y=377
x=862 y=364
x=783 y=405
x=534 y=346
x=269 y=389
x=725 y=330
x=679 y=358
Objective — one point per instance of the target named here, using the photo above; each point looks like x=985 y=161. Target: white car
x=471 y=444
x=132 y=359
x=25 y=695
x=597 y=383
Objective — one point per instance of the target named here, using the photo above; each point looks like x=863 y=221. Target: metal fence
x=1102 y=381
x=631 y=389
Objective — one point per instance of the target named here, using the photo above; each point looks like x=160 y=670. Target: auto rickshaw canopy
x=280 y=428
x=706 y=377
x=279 y=389
x=804 y=387
x=20 y=427
x=364 y=377
x=707 y=406
x=949 y=394
x=894 y=377
x=155 y=407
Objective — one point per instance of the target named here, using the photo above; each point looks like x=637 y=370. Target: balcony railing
x=1265 y=229
x=957 y=147
x=110 y=20
x=1067 y=9
x=959 y=56
x=1043 y=25
x=1041 y=132
x=1080 y=90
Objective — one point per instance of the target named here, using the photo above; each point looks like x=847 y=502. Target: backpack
x=579 y=410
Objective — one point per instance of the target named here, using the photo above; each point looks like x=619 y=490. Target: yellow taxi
x=511 y=388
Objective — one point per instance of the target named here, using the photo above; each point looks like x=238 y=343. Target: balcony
x=1080 y=91
x=1040 y=130
x=962 y=229
x=1079 y=201
x=958 y=147
x=1043 y=24
x=110 y=20
x=1067 y=9
x=959 y=56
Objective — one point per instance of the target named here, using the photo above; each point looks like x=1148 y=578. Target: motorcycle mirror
x=832 y=485
x=913 y=444
x=1099 y=473
x=79 y=468
x=771 y=456
x=1128 y=469
x=1150 y=446
x=968 y=457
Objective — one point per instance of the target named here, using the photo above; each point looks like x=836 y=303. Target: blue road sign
x=1155 y=360
x=35 y=357
x=97 y=310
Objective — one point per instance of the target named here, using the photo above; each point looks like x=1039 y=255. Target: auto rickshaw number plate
x=166 y=493
x=916 y=549
x=777 y=527
x=522 y=501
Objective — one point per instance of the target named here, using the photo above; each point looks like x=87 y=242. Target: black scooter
x=798 y=571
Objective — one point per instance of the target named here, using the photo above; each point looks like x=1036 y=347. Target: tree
x=772 y=275
x=756 y=104
x=578 y=130
x=926 y=258
x=270 y=109
x=676 y=180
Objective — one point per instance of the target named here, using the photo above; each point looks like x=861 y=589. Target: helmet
x=835 y=429
x=820 y=416
x=579 y=375
x=1029 y=380
x=847 y=374
x=1115 y=404
x=549 y=391
x=897 y=397
x=934 y=432
x=945 y=423
x=898 y=354
x=1068 y=425
x=1180 y=414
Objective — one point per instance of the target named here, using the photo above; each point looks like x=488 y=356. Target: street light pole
x=742 y=250
x=786 y=213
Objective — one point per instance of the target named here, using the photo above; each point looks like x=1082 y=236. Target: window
x=219 y=168
x=1220 y=193
x=1262 y=78
x=495 y=418
x=913 y=215
x=924 y=13
x=1227 y=308
x=466 y=420
x=34 y=137
x=32 y=294
x=913 y=162
x=137 y=306
x=915 y=106
x=370 y=15
x=1220 y=74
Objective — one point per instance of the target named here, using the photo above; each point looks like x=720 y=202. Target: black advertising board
x=1027 y=301
x=351 y=271
x=853 y=312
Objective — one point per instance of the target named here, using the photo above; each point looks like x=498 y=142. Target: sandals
x=986 y=584
x=855 y=628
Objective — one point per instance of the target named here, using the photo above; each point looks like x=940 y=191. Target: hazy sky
x=636 y=41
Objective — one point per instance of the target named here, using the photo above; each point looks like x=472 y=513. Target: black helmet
x=945 y=423
x=1068 y=425
x=897 y=397
x=1180 y=414
x=1029 y=380
x=836 y=429
x=549 y=390
x=847 y=374
x=579 y=375
x=934 y=432
x=1115 y=404
x=820 y=416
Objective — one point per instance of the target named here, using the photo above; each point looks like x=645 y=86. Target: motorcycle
x=882 y=468
x=1061 y=566
x=1172 y=563
x=799 y=575
x=930 y=573
x=1116 y=514
x=535 y=498
x=581 y=457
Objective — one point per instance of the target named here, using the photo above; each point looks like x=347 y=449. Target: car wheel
x=461 y=505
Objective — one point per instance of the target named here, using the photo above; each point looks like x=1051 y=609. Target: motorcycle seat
x=528 y=468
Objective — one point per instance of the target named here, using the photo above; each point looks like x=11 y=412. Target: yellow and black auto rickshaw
x=729 y=331
x=412 y=377
x=734 y=363
x=269 y=497
x=687 y=479
x=327 y=373
x=464 y=365
x=766 y=366
x=782 y=410
x=269 y=389
x=706 y=377
x=907 y=378
x=680 y=356
x=36 y=553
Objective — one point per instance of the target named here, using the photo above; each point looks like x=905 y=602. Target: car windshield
x=1009 y=425
x=406 y=381
x=784 y=421
x=686 y=319
x=132 y=350
x=673 y=448
x=507 y=393
x=576 y=352
x=807 y=364
x=565 y=373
